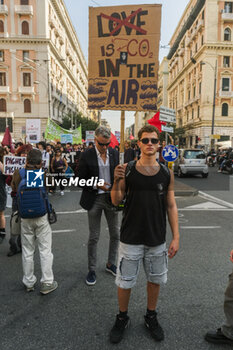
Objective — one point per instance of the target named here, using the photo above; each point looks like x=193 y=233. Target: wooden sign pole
x=122 y=137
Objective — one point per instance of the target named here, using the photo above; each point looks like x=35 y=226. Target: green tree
x=87 y=124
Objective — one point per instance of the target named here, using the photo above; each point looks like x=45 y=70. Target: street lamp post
x=214 y=99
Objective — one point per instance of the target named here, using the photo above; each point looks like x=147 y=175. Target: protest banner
x=123 y=57
x=90 y=136
x=11 y=163
x=54 y=131
x=33 y=130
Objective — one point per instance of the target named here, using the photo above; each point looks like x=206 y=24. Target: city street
x=76 y=316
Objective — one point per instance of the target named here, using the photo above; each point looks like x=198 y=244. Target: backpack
x=32 y=202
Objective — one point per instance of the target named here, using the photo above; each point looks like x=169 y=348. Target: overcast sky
x=78 y=10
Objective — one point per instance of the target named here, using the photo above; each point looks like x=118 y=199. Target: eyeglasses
x=103 y=144
x=146 y=140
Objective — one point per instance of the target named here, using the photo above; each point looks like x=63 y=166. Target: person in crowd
x=36 y=230
x=137 y=151
x=77 y=150
x=224 y=334
x=68 y=147
x=129 y=153
x=91 y=145
x=226 y=157
x=3 y=197
x=15 y=240
x=59 y=166
x=7 y=150
x=58 y=145
x=161 y=160
x=99 y=161
x=42 y=147
x=148 y=187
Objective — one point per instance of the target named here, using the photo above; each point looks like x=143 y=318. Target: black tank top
x=144 y=215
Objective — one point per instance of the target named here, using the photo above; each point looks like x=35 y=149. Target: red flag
x=156 y=122
x=7 y=140
x=113 y=141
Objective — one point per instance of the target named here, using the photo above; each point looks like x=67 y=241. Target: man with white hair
x=100 y=161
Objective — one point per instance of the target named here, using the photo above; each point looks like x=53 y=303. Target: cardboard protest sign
x=123 y=57
x=11 y=163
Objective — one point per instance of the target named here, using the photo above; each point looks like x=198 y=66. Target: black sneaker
x=111 y=269
x=217 y=337
x=91 y=278
x=118 y=329
x=154 y=327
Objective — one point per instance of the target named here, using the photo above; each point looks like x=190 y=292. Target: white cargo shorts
x=155 y=262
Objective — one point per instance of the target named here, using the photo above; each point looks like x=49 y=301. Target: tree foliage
x=87 y=124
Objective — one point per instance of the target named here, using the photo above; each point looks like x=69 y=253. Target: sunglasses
x=103 y=144
x=146 y=140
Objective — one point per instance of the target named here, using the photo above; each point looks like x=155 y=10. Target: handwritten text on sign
x=123 y=57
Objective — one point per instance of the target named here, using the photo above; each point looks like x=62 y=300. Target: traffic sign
x=167 y=128
x=167 y=114
x=170 y=153
x=217 y=137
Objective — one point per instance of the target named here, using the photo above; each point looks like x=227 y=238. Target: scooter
x=212 y=159
x=228 y=166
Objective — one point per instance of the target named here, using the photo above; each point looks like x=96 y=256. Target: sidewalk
x=184 y=190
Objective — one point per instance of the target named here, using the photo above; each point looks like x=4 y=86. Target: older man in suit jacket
x=100 y=161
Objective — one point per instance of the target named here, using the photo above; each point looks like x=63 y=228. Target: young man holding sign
x=149 y=197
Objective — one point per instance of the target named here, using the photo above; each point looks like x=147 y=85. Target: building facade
x=202 y=50
x=163 y=84
x=43 y=72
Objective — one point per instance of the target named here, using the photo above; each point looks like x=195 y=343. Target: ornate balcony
x=225 y=93
x=24 y=10
x=4 y=89
x=27 y=90
x=227 y=17
x=3 y=10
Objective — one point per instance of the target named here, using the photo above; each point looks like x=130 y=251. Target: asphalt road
x=79 y=317
x=219 y=185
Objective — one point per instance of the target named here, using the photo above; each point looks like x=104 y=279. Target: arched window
x=24 y=2
x=27 y=106
x=25 y=28
x=2 y=105
x=227 y=34
x=1 y=27
x=225 y=109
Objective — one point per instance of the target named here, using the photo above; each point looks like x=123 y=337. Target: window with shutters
x=227 y=34
x=4 y=122
x=2 y=105
x=225 y=84
x=226 y=61
x=25 y=28
x=26 y=79
x=27 y=106
x=228 y=7
x=225 y=109
x=1 y=26
x=25 y=56
x=2 y=79
x=1 y=56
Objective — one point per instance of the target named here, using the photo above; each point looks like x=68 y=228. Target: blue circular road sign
x=170 y=153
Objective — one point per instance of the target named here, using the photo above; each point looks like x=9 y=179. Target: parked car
x=191 y=162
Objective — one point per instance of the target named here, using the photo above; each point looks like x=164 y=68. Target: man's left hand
x=173 y=248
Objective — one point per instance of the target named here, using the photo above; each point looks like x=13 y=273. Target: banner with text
x=123 y=57
x=54 y=132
